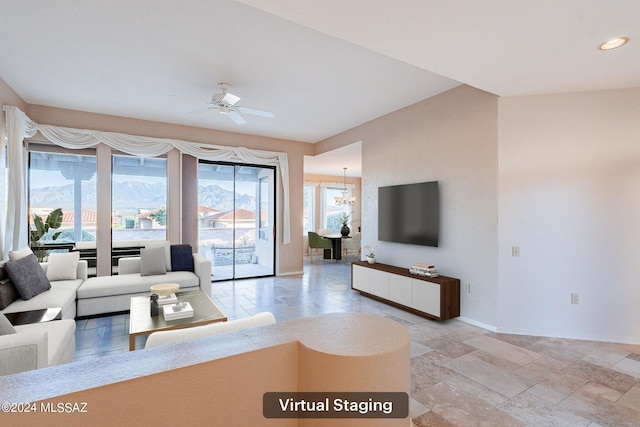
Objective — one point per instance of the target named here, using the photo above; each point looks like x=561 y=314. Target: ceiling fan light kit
x=225 y=103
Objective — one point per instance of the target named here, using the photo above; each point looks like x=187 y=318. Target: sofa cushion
x=181 y=258
x=153 y=261
x=63 y=266
x=63 y=297
x=164 y=244
x=8 y=293
x=27 y=276
x=6 y=327
x=122 y=284
x=20 y=253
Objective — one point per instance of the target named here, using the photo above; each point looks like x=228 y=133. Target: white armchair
x=178 y=335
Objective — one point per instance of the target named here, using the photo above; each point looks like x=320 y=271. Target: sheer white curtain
x=19 y=126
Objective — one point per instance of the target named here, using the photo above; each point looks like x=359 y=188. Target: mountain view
x=133 y=195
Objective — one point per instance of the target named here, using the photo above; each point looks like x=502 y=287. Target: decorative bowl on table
x=165 y=289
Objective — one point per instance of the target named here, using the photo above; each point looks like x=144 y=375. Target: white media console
x=432 y=297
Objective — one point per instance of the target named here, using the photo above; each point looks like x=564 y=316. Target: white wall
x=451 y=138
x=569 y=197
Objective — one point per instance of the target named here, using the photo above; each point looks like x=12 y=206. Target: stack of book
x=421 y=269
x=167 y=299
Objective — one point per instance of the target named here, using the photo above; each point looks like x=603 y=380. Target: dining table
x=336 y=242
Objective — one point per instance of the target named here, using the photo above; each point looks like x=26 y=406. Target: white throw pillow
x=152 y=261
x=166 y=246
x=63 y=266
x=20 y=253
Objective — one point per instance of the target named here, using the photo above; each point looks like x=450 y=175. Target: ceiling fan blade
x=237 y=118
x=255 y=112
x=200 y=110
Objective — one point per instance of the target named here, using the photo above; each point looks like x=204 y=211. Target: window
x=308 y=212
x=333 y=213
x=139 y=198
x=68 y=182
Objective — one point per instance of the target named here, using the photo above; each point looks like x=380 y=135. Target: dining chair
x=353 y=244
x=317 y=242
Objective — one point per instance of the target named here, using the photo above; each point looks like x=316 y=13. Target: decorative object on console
x=371 y=254
x=422 y=269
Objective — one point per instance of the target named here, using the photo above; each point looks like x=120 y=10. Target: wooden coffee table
x=141 y=322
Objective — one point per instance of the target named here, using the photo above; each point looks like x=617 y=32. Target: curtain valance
x=19 y=126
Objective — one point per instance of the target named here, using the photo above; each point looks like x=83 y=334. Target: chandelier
x=344 y=200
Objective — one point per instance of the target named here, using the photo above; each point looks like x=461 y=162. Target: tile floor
x=461 y=375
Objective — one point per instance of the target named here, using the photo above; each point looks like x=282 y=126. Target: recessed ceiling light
x=614 y=43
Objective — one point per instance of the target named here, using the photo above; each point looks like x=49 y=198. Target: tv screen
x=409 y=213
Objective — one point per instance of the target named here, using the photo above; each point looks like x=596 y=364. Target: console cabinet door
x=361 y=280
x=426 y=297
x=401 y=289
x=379 y=283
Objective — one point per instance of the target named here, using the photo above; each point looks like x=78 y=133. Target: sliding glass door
x=236 y=219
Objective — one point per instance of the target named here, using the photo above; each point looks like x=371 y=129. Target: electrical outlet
x=515 y=251
x=575 y=299
x=468 y=288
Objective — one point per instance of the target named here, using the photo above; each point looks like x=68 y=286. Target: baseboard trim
x=289 y=273
x=478 y=324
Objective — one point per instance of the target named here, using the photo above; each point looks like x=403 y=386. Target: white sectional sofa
x=44 y=344
x=62 y=294
x=51 y=343
x=110 y=294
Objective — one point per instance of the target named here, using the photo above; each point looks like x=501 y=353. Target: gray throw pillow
x=6 y=327
x=27 y=276
x=8 y=293
x=152 y=261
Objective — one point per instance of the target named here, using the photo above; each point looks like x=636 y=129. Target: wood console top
x=404 y=272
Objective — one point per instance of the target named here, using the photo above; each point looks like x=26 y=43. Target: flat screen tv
x=409 y=213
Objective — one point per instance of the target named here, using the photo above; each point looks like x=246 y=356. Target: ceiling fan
x=225 y=103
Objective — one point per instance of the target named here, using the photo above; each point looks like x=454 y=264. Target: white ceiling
x=321 y=66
